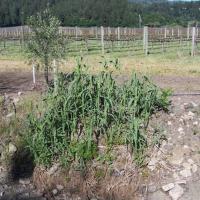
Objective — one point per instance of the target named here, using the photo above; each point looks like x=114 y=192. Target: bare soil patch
x=13 y=82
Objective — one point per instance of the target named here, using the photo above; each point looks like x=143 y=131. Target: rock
x=169 y=123
x=152 y=188
x=185 y=147
x=180 y=130
x=189 y=106
x=54 y=191
x=176 y=177
x=181 y=120
x=188 y=116
x=59 y=187
x=187 y=165
x=177 y=156
x=152 y=164
x=176 y=192
x=194 y=145
x=190 y=161
x=194 y=104
x=54 y=169
x=24 y=181
x=191 y=114
x=195 y=123
x=186 y=173
x=159 y=195
x=168 y=187
x=172 y=114
x=19 y=93
x=12 y=148
x=186 y=150
x=181 y=182
x=194 y=168
x=1 y=191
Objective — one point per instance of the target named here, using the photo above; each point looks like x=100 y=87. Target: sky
x=183 y=0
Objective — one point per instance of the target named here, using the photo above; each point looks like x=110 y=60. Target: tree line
x=102 y=12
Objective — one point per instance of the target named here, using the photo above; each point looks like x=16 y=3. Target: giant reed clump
x=89 y=107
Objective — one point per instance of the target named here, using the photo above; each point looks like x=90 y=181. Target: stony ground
x=174 y=166
x=173 y=171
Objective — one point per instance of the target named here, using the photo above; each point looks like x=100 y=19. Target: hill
x=103 y=12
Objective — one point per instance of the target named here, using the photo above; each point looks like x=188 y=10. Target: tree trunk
x=46 y=75
x=46 y=71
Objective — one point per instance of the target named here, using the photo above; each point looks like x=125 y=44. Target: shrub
x=88 y=108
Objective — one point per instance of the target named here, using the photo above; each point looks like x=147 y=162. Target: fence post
x=197 y=32
x=102 y=39
x=96 y=29
x=109 y=32
x=34 y=80
x=55 y=70
x=76 y=35
x=118 y=35
x=188 y=32
x=22 y=36
x=178 y=32
x=165 y=32
x=193 y=41
x=145 y=40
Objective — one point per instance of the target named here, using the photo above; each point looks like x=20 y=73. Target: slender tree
x=45 y=43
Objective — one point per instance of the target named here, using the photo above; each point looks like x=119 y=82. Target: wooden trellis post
x=109 y=31
x=172 y=32
x=145 y=40
x=102 y=39
x=55 y=70
x=188 y=32
x=22 y=36
x=165 y=36
x=197 y=32
x=178 y=32
x=193 y=41
x=96 y=31
x=118 y=35
x=76 y=34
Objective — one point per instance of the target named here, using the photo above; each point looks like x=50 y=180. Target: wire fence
x=95 y=40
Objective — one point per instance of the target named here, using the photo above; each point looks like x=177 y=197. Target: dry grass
x=12 y=127
x=178 y=63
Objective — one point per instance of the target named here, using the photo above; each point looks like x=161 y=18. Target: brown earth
x=174 y=163
x=18 y=81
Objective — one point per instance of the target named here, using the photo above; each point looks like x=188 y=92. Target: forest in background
x=103 y=12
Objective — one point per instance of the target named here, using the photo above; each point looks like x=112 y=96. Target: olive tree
x=45 y=43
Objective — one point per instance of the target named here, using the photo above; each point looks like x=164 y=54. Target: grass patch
x=89 y=110
x=13 y=118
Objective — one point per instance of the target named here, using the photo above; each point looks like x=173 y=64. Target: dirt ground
x=173 y=171
x=13 y=82
x=18 y=81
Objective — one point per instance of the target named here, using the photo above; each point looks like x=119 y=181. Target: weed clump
x=88 y=109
